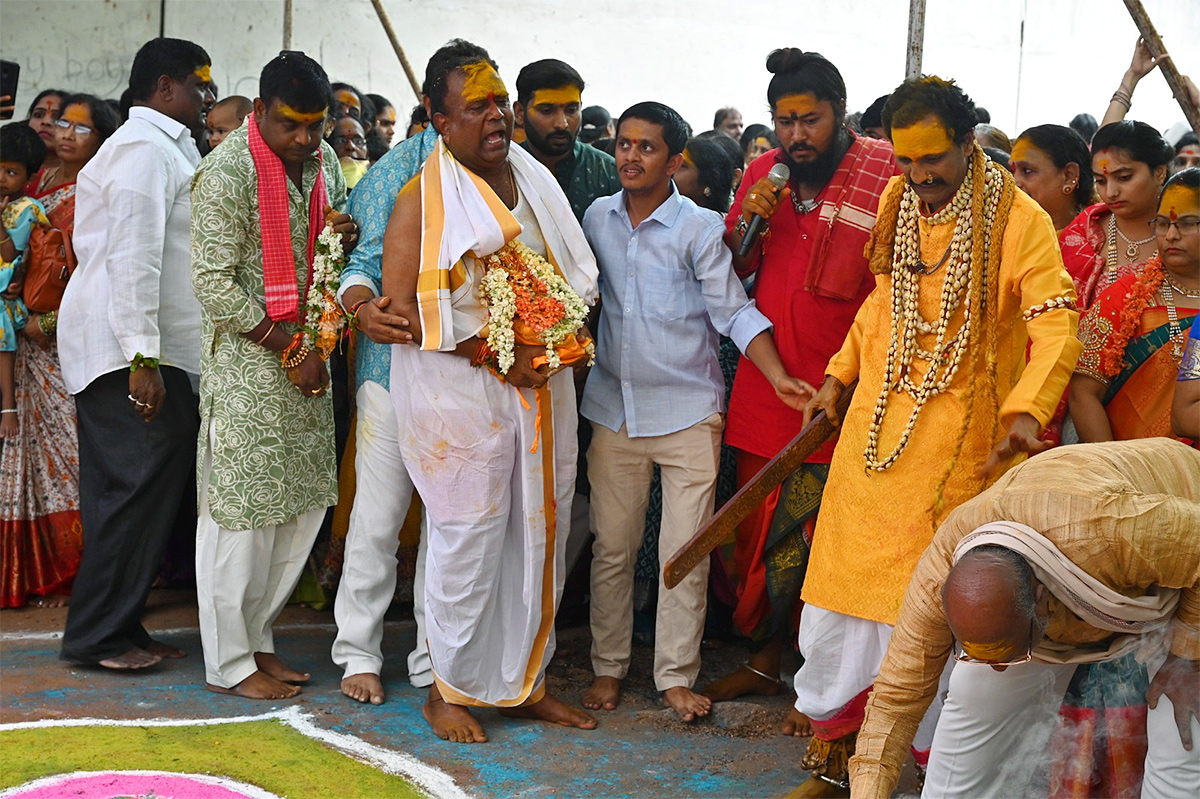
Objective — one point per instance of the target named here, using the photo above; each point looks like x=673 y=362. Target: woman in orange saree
x=1133 y=339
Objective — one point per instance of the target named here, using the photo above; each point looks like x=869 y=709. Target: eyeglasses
x=356 y=140
x=962 y=657
x=80 y=130
x=1160 y=224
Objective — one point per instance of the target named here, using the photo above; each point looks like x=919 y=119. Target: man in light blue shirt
x=383 y=490
x=656 y=396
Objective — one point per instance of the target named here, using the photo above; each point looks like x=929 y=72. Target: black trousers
x=132 y=477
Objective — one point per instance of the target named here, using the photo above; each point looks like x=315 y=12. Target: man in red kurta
x=810 y=277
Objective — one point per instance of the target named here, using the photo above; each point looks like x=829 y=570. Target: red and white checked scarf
x=279 y=263
x=838 y=266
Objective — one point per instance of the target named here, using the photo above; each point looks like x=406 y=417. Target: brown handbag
x=51 y=262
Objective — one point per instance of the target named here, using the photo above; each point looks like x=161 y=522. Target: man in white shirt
x=129 y=340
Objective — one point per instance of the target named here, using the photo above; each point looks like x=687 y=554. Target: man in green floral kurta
x=266 y=451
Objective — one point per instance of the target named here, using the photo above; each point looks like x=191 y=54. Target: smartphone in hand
x=9 y=72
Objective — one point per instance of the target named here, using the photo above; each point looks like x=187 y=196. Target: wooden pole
x=391 y=34
x=916 y=39
x=287 y=24
x=751 y=495
x=1167 y=67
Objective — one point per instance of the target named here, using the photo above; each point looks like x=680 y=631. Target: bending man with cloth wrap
x=1077 y=556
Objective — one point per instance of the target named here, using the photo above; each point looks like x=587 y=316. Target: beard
x=555 y=144
x=818 y=171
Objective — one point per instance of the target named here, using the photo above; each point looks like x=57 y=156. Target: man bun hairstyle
x=929 y=95
x=175 y=58
x=297 y=80
x=454 y=54
x=549 y=73
x=674 y=130
x=1143 y=142
x=797 y=72
x=20 y=144
x=1065 y=146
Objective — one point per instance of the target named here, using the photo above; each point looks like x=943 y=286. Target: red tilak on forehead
x=1174 y=216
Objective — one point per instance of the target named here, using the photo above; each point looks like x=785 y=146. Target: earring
x=1070 y=187
x=707 y=191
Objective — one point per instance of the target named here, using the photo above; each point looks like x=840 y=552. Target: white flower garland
x=516 y=264
x=323 y=317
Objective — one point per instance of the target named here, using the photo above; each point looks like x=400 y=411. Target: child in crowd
x=226 y=117
x=21 y=156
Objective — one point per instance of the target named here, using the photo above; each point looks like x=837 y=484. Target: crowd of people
x=333 y=340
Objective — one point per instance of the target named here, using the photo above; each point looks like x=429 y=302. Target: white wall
x=696 y=55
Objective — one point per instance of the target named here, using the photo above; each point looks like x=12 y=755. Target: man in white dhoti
x=1079 y=555
x=491 y=450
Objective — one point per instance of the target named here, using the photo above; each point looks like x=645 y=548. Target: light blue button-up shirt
x=668 y=288
x=371 y=204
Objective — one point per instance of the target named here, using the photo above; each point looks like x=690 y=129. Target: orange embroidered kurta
x=874 y=526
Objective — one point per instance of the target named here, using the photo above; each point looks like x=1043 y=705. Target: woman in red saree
x=1108 y=240
x=1133 y=339
x=41 y=537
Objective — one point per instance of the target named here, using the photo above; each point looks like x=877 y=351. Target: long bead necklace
x=1168 y=288
x=958 y=286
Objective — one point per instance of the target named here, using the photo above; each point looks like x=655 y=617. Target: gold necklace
x=1179 y=287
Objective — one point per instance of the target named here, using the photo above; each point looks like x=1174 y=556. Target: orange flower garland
x=1139 y=298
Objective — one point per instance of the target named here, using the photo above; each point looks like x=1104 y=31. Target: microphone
x=778 y=176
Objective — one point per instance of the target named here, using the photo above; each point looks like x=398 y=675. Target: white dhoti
x=243 y=581
x=991 y=738
x=383 y=494
x=498 y=515
x=842 y=655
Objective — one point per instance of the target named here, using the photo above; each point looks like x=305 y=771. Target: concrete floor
x=638 y=750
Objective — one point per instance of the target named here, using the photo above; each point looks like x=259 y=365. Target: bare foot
x=452 y=723
x=604 y=694
x=687 y=703
x=364 y=687
x=165 y=650
x=273 y=666
x=136 y=658
x=742 y=682
x=52 y=601
x=550 y=709
x=797 y=724
x=259 y=685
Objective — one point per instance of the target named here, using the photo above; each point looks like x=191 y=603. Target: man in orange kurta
x=968 y=273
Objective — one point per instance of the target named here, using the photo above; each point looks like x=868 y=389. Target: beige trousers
x=620 y=469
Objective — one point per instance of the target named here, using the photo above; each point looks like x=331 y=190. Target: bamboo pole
x=916 y=39
x=1167 y=67
x=391 y=34
x=287 y=24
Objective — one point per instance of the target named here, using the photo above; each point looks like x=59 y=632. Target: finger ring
x=753 y=196
x=133 y=399
x=148 y=406
x=315 y=391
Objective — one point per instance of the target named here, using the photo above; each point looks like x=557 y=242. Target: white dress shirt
x=132 y=291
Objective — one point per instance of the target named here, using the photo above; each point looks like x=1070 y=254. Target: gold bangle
x=265 y=335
